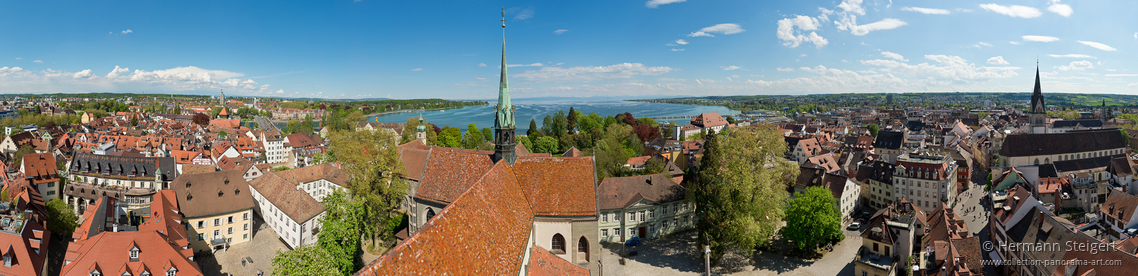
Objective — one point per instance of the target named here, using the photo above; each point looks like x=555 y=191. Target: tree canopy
x=371 y=161
x=741 y=188
x=60 y=218
x=813 y=219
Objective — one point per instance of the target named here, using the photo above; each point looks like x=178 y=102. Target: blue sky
x=451 y=49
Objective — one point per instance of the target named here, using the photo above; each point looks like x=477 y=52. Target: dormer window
x=172 y=272
x=7 y=260
x=134 y=254
x=96 y=273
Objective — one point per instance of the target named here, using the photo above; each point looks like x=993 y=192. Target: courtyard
x=677 y=255
x=261 y=250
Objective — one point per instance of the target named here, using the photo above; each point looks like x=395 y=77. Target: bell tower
x=1038 y=112
x=504 y=144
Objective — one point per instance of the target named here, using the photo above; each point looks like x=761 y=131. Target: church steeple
x=1037 y=105
x=504 y=112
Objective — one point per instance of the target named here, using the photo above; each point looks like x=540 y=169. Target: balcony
x=872 y=259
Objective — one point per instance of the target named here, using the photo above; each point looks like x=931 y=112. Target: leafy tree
x=545 y=144
x=546 y=125
x=19 y=157
x=588 y=123
x=731 y=120
x=451 y=137
x=61 y=219
x=473 y=137
x=813 y=219
x=432 y=134
x=201 y=119
x=532 y=127
x=611 y=151
x=670 y=129
x=409 y=129
x=133 y=121
x=525 y=140
x=741 y=188
x=1125 y=137
x=646 y=132
x=371 y=162
x=873 y=130
x=488 y=134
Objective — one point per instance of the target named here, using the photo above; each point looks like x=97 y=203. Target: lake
x=527 y=109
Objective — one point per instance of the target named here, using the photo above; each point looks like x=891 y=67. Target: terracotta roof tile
x=295 y=203
x=619 y=192
x=483 y=232
x=544 y=263
x=212 y=193
x=448 y=174
x=558 y=186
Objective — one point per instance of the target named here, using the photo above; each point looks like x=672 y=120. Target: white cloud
x=37 y=61
x=19 y=58
x=1040 y=38
x=802 y=55
x=560 y=31
x=656 y=3
x=417 y=69
x=536 y=64
x=678 y=50
x=1135 y=37
x=780 y=69
x=281 y=91
x=1077 y=66
x=1097 y=45
x=729 y=68
x=1111 y=70
x=849 y=22
x=187 y=78
x=1061 y=9
x=997 y=60
x=592 y=73
x=1121 y=75
x=926 y=10
x=481 y=65
x=127 y=31
x=725 y=28
x=893 y=55
x=982 y=44
x=1014 y=42
x=524 y=14
x=681 y=42
x=792 y=38
x=953 y=70
x=83 y=74
x=852 y=6
x=1070 y=56
x=1013 y=10
x=671 y=79
x=817 y=70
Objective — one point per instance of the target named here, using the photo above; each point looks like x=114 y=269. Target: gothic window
x=583 y=247
x=558 y=244
x=430 y=214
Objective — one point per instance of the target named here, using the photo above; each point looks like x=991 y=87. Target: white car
x=854 y=226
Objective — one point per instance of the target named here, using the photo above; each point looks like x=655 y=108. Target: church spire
x=504 y=145
x=1037 y=105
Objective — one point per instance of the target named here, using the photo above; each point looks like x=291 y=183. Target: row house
x=926 y=180
x=646 y=207
x=129 y=179
x=287 y=209
x=217 y=208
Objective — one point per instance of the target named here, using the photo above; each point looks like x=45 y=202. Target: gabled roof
x=1062 y=143
x=450 y=173
x=324 y=171
x=544 y=263
x=40 y=167
x=492 y=219
x=558 y=186
x=889 y=140
x=212 y=193
x=286 y=196
x=619 y=192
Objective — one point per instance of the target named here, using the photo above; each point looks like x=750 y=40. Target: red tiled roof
x=619 y=192
x=40 y=167
x=709 y=119
x=544 y=263
x=295 y=203
x=211 y=195
x=312 y=173
x=483 y=232
x=109 y=251
x=448 y=174
x=558 y=186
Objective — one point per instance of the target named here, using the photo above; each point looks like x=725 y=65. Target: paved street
x=677 y=255
x=972 y=210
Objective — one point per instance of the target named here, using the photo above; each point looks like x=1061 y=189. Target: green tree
x=532 y=127
x=545 y=144
x=409 y=129
x=61 y=219
x=488 y=134
x=571 y=119
x=741 y=188
x=730 y=120
x=371 y=162
x=19 y=157
x=472 y=137
x=873 y=130
x=450 y=137
x=134 y=121
x=588 y=123
x=525 y=140
x=813 y=219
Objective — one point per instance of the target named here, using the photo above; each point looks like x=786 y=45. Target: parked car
x=854 y=226
x=634 y=241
